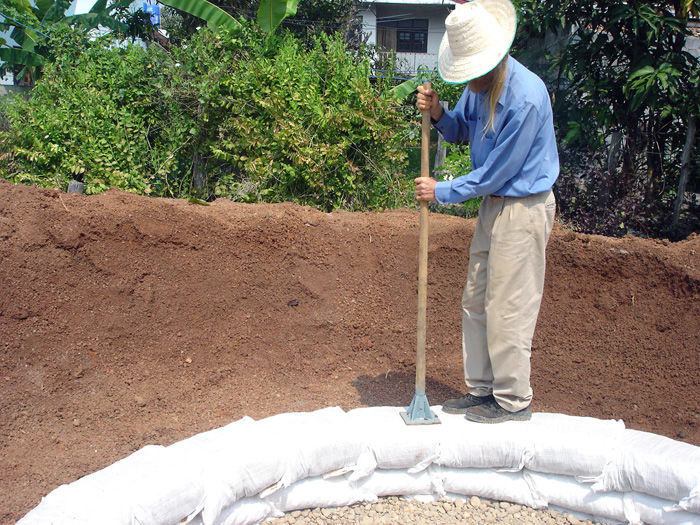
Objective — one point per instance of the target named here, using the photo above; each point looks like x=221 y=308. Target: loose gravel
x=475 y=511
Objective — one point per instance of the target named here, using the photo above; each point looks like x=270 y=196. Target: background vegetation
x=626 y=102
x=237 y=114
x=238 y=110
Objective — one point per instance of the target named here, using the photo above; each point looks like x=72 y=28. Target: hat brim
x=463 y=69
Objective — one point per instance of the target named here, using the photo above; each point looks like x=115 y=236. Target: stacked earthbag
x=252 y=470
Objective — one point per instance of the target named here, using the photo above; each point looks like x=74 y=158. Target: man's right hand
x=428 y=100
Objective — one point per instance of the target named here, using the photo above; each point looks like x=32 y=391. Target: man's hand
x=425 y=189
x=428 y=100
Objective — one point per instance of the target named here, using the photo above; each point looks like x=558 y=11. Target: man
x=505 y=115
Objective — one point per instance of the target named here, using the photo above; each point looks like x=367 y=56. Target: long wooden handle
x=423 y=254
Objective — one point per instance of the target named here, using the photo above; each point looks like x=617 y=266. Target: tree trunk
x=685 y=171
x=199 y=175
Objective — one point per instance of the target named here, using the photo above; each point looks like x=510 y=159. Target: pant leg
x=477 y=364
x=516 y=268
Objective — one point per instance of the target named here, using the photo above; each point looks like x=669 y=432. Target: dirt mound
x=126 y=321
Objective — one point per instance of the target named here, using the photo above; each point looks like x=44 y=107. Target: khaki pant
x=502 y=296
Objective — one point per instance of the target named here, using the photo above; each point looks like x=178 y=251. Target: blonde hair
x=500 y=72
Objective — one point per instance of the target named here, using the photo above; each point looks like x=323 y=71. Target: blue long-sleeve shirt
x=517 y=159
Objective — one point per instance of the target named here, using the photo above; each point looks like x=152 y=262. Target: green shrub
x=231 y=114
x=307 y=125
x=458 y=162
x=94 y=116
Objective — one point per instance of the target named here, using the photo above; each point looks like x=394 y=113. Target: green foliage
x=458 y=162
x=235 y=114
x=306 y=125
x=20 y=57
x=306 y=20
x=213 y=15
x=92 y=119
x=406 y=88
x=271 y=13
x=31 y=26
x=403 y=92
x=617 y=69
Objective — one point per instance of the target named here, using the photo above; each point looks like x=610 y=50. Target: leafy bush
x=234 y=114
x=91 y=117
x=624 y=93
x=305 y=124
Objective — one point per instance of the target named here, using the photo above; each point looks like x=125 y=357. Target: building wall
x=692 y=44
x=7 y=79
x=369 y=25
x=436 y=14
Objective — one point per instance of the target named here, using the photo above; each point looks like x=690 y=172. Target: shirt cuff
x=439 y=124
x=442 y=191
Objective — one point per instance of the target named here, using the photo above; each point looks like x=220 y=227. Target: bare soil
x=126 y=321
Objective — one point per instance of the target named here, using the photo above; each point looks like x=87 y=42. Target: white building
x=412 y=28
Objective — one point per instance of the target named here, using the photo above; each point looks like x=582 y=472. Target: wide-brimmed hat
x=477 y=36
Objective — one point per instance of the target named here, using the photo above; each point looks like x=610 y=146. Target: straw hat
x=477 y=36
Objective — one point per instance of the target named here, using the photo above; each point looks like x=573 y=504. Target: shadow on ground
x=397 y=389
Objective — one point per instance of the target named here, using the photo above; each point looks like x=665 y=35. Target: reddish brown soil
x=126 y=321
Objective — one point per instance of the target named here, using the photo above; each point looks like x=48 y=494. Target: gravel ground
x=475 y=511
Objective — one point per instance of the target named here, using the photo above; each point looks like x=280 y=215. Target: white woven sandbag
x=316 y=443
x=655 y=465
x=318 y=492
x=393 y=444
x=107 y=496
x=247 y=511
x=692 y=501
x=177 y=488
x=572 y=446
x=644 y=509
x=274 y=453
x=463 y=444
x=566 y=492
x=631 y=507
x=487 y=483
x=210 y=442
x=399 y=483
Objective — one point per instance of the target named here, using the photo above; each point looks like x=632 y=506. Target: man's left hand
x=425 y=189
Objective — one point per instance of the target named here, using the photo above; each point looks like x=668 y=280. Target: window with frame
x=411 y=35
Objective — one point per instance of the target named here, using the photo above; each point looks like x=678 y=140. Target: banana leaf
x=56 y=12
x=404 y=89
x=15 y=56
x=211 y=14
x=102 y=7
x=42 y=7
x=99 y=6
x=93 y=20
x=272 y=12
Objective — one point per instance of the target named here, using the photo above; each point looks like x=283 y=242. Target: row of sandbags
x=536 y=490
x=583 y=464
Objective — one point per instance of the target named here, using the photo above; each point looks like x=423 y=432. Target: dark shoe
x=461 y=404
x=492 y=412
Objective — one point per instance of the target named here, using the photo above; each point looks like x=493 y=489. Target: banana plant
x=270 y=14
x=27 y=24
x=404 y=89
x=214 y=16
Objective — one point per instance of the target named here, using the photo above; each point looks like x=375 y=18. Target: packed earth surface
x=127 y=321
